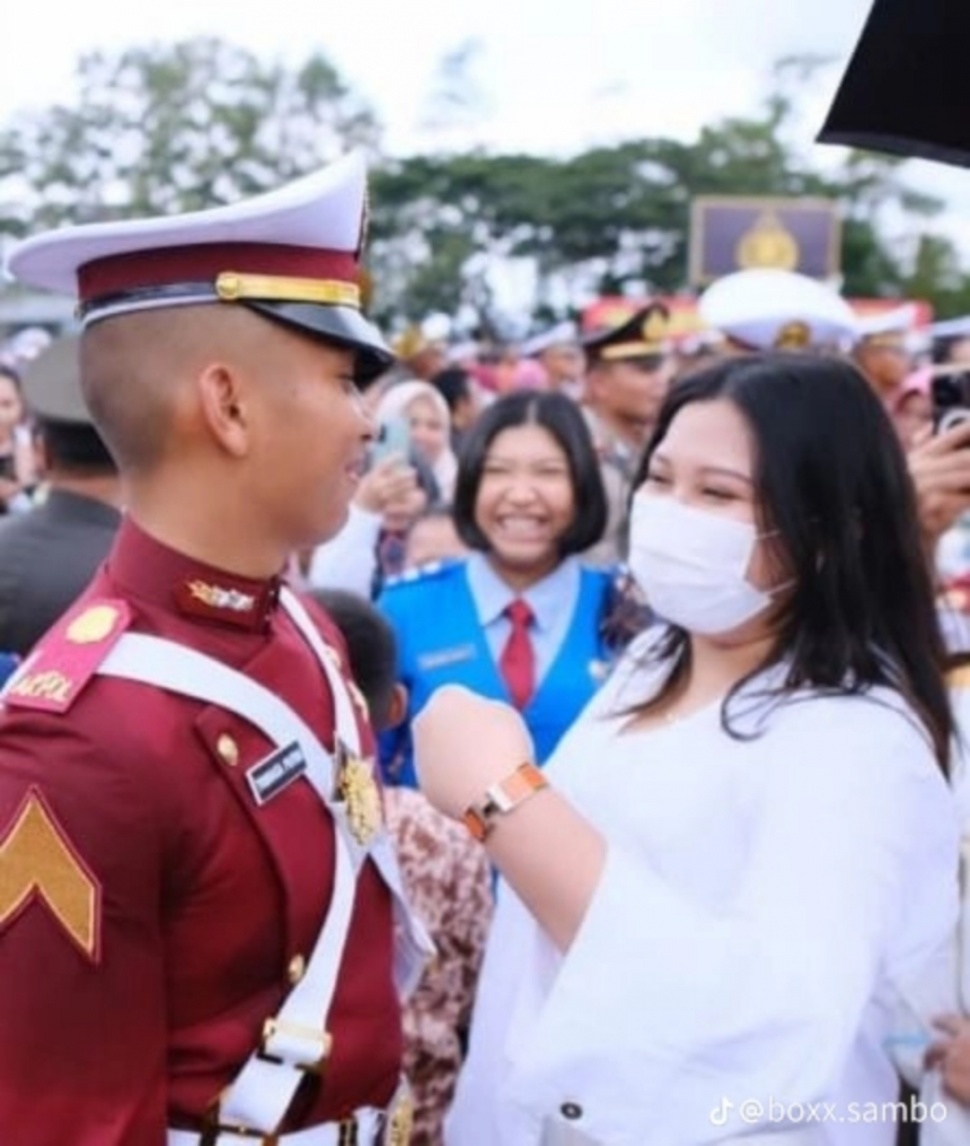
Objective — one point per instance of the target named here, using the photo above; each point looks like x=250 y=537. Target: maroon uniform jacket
x=152 y=915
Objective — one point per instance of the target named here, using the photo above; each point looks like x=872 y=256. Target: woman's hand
x=939 y=466
x=463 y=743
x=952 y=1056
x=387 y=482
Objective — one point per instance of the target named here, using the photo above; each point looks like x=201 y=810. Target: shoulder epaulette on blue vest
x=429 y=572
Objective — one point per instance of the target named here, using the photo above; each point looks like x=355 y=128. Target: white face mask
x=692 y=565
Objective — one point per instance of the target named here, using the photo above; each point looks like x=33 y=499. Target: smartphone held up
x=950 y=390
x=393 y=439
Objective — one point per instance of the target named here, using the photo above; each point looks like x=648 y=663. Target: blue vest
x=440 y=641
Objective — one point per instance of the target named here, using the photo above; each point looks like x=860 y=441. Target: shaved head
x=137 y=370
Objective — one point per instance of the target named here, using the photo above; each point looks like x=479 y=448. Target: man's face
x=630 y=393
x=309 y=435
x=887 y=366
x=563 y=363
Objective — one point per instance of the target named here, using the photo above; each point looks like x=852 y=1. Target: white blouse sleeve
x=665 y=1007
x=348 y=561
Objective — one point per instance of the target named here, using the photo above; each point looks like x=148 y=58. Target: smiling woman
x=520 y=619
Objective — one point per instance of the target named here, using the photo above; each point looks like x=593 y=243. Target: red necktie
x=518 y=660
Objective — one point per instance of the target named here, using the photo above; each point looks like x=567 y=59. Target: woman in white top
x=746 y=857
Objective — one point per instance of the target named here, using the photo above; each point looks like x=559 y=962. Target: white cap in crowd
x=768 y=309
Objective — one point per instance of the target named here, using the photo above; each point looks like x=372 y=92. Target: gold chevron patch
x=39 y=862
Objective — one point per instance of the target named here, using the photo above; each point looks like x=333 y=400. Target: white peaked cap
x=563 y=334
x=951 y=327
x=899 y=321
x=290 y=254
x=774 y=309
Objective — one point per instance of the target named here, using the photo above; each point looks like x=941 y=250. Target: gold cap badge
x=794 y=336
x=654 y=328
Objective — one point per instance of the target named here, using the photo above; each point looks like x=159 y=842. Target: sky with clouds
x=554 y=76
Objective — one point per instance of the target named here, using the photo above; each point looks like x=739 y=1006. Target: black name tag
x=275 y=772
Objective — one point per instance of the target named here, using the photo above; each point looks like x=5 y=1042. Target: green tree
x=167 y=129
x=938 y=274
x=612 y=219
x=439 y=221
x=173 y=128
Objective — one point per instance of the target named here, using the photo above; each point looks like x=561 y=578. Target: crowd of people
x=563 y=745
x=715 y=588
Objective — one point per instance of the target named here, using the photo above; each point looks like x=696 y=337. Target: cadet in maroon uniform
x=196 y=891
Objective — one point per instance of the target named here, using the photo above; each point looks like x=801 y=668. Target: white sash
x=261 y=1093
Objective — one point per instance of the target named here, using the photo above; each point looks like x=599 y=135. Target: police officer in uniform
x=197 y=896
x=882 y=351
x=48 y=554
x=628 y=374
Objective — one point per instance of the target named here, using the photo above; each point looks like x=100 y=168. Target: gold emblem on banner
x=768 y=243
x=358 y=789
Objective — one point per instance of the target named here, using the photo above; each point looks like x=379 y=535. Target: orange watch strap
x=502 y=797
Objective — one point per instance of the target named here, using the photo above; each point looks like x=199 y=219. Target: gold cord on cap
x=232 y=287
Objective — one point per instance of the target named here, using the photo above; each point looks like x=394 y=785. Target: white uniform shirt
x=765 y=911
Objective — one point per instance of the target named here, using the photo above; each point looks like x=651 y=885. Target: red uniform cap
x=291 y=254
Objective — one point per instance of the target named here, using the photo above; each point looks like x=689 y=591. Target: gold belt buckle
x=321 y=1041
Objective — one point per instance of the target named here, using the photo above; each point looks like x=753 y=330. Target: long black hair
x=831 y=480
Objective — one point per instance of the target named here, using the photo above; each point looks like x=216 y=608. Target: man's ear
x=397 y=710
x=224 y=407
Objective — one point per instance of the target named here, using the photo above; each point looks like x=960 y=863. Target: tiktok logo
x=720 y=1114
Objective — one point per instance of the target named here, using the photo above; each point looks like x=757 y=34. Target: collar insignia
x=218 y=598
